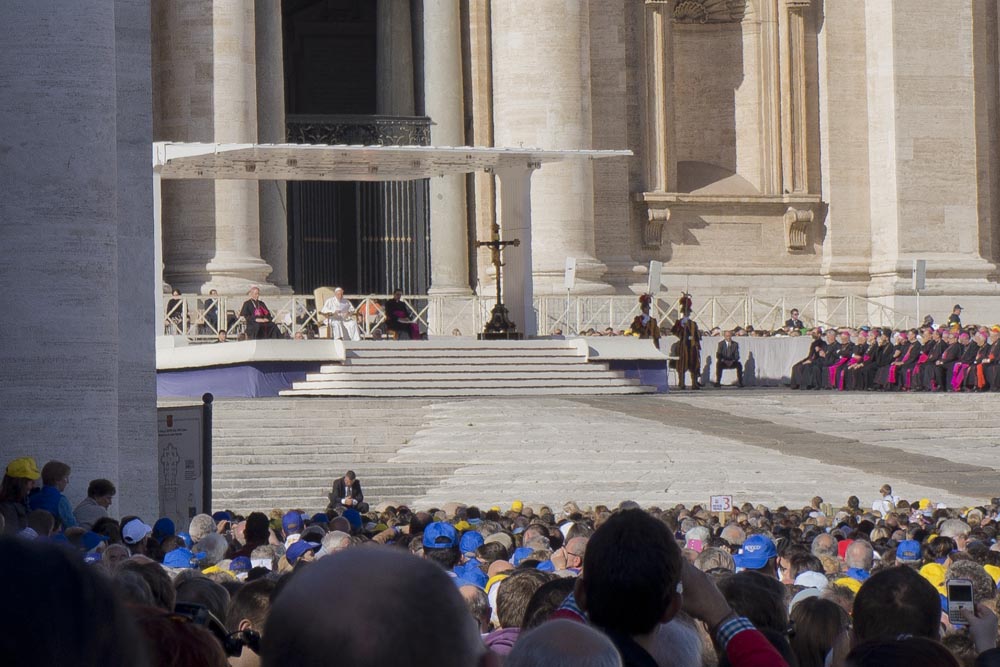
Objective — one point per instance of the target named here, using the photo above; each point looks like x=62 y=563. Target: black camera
x=232 y=642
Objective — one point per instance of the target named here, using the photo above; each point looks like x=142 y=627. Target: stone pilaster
x=516 y=223
x=271 y=130
x=394 y=62
x=444 y=103
x=924 y=157
x=77 y=360
x=541 y=94
x=769 y=76
x=661 y=163
x=794 y=141
x=843 y=102
x=479 y=99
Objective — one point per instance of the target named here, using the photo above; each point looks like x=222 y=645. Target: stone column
x=77 y=360
x=237 y=264
x=541 y=84
x=661 y=164
x=515 y=223
x=444 y=104
x=794 y=160
x=271 y=130
x=769 y=76
x=394 y=62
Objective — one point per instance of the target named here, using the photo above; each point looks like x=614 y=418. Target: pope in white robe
x=341 y=316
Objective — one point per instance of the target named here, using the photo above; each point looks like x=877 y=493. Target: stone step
x=462 y=382
x=265 y=498
x=313 y=486
x=326 y=459
x=458 y=343
x=447 y=373
x=470 y=391
x=468 y=353
x=465 y=360
x=379 y=471
x=305 y=432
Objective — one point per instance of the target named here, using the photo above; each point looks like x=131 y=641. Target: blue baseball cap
x=320 y=517
x=471 y=573
x=471 y=540
x=222 y=515
x=546 y=566
x=164 y=527
x=353 y=517
x=520 y=554
x=182 y=557
x=291 y=523
x=908 y=550
x=188 y=542
x=92 y=539
x=240 y=564
x=440 y=535
x=294 y=552
x=756 y=551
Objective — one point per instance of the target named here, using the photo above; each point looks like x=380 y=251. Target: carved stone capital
x=652 y=234
x=797 y=5
x=797 y=224
x=709 y=11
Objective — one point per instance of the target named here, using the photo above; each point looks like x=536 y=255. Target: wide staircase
x=285 y=453
x=465 y=367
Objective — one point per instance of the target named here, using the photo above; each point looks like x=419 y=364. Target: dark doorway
x=365 y=237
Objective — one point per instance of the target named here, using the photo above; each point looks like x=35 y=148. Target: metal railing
x=203 y=318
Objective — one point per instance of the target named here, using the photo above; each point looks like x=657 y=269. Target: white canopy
x=320 y=162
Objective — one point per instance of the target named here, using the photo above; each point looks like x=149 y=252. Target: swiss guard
x=688 y=344
x=645 y=325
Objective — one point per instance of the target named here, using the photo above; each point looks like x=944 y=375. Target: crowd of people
x=506 y=585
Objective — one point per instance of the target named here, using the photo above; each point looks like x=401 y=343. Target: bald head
x=563 y=643
x=575 y=549
x=824 y=544
x=343 y=608
x=859 y=555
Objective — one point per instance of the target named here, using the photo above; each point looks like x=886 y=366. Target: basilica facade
x=792 y=148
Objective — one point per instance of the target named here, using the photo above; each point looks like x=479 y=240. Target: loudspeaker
x=569 y=281
x=655 y=276
x=919 y=275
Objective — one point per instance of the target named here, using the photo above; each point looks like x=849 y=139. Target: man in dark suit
x=346 y=492
x=727 y=355
x=794 y=322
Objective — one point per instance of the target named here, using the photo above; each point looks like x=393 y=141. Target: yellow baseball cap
x=994 y=572
x=849 y=582
x=516 y=506
x=924 y=503
x=934 y=573
x=24 y=467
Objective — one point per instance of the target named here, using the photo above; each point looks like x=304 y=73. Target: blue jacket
x=52 y=501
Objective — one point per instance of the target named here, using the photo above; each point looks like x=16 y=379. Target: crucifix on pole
x=499 y=325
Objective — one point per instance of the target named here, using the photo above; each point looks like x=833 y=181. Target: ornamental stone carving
x=797 y=228
x=652 y=234
x=709 y=11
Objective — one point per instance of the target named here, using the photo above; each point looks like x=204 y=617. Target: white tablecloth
x=766 y=361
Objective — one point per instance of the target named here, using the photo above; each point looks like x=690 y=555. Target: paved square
x=762 y=446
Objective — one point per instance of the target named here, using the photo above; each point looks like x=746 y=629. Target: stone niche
x=726 y=117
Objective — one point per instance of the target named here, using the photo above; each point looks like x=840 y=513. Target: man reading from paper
x=341 y=316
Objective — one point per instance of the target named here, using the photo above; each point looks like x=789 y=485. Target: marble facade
x=796 y=148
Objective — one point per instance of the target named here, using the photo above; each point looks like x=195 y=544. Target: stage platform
x=443 y=366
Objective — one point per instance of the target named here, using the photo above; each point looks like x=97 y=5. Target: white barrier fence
x=204 y=318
